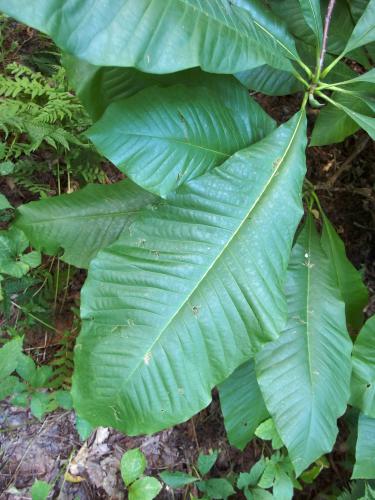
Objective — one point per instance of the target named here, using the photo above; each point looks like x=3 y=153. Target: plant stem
x=332 y=65
x=300 y=78
x=305 y=68
x=329 y=85
x=304 y=102
x=331 y=101
x=334 y=88
x=327 y=23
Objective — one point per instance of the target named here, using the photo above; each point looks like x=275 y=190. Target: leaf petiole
x=300 y=78
x=335 y=89
x=332 y=65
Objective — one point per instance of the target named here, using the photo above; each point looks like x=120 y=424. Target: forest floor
x=51 y=450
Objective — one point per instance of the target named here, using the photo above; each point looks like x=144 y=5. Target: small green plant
x=40 y=490
x=140 y=487
x=28 y=386
x=275 y=473
x=14 y=261
x=210 y=487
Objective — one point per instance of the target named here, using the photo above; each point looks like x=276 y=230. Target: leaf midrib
x=178 y=141
x=243 y=34
x=349 y=48
x=235 y=233
x=317 y=24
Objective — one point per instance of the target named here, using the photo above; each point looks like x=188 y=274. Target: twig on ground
x=366 y=192
x=345 y=166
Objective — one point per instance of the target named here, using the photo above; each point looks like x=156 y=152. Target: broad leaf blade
x=353 y=291
x=364 y=121
x=99 y=86
x=187 y=290
x=368 y=77
x=82 y=222
x=4 y=203
x=364 y=31
x=145 y=488
x=158 y=36
x=304 y=25
x=9 y=356
x=177 y=479
x=304 y=375
x=364 y=467
x=206 y=462
x=161 y=138
x=363 y=374
x=270 y=81
x=242 y=405
x=335 y=123
x=132 y=466
x=291 y=13
x=313 y=17
x=13 y=243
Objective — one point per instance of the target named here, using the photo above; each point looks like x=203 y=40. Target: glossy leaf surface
x=364 y=121
x=364 y=31
x=364 y=467
x=270 y=81
x=353 y=291
x=363 y=374
x=313 y=17
x=187 y=289
x=99 y=86
x=242 y=405
x=132 y=466
x=83 y=222
x=162 y=137
x=145 y=488
x=158 y=36
x=335 y=123
x=304 y=375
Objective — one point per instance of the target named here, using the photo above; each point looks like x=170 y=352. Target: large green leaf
x=291 y=13
x=304 y=25
x=162 y=36
x=353 y=291
x=99 y=86
x=242 y=405
x=312 y=15
x=277 y=82
x=357 y=8
x=341 y=25
x=364 y=31
x=270 y=81
x=360 y=82
x=335 y=123
x=363 y=374
x=162 y=137
x=82 y=222
x=364 y=467
x=364 y=121
x=304 y=375
x=191 y=290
